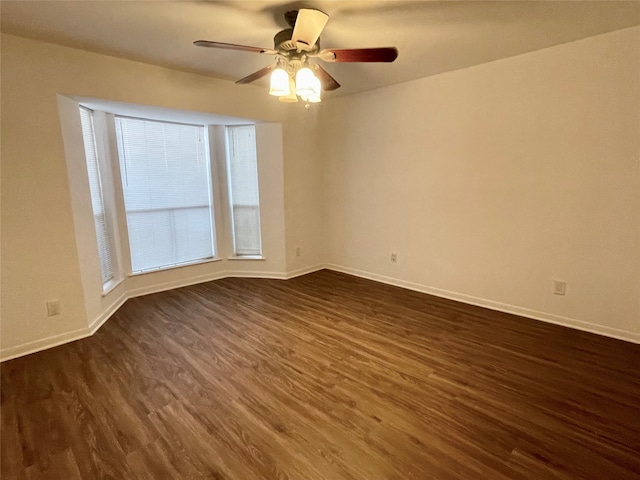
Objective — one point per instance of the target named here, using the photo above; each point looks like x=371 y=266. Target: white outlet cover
x=559 y=287
x=53 y=308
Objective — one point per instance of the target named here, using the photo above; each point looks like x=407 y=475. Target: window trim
x=111 y=285
x=247 y=257
x=174 y=267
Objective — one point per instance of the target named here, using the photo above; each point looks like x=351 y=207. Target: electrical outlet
x=393 y=258
x=53 y=308
x=559 y=287
x=298 y=251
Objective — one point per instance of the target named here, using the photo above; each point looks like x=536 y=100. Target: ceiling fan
x=293 y=47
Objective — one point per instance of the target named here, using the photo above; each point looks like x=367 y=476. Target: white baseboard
x=492 y=305
x=43 y=344
x=94 y=326
x=250 y=274
x=184 y=282
x=305 y=270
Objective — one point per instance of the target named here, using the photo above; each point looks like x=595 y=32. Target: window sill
x=108 y=287
x=246 y=257
x=173 y=267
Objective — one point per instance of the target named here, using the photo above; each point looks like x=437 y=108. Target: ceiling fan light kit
x=293 y=48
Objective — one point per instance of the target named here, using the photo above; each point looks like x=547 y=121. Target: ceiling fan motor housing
x=282 y=42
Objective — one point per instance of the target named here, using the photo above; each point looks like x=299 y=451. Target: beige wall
x=488 y=182
x=491 y=181
x=303 y=199
x=40 y=260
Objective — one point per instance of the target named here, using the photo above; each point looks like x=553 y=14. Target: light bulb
x=279 y=83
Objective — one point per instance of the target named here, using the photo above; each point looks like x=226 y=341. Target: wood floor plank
x=61 y=465
x=11 y=459
x=326 y=376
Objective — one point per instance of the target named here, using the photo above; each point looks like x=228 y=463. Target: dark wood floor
x=323 y=377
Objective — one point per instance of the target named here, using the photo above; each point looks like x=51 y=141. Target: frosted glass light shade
x=279 y=83
x=317 y=89
x=305 y=82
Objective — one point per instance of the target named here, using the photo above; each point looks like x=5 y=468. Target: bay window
x=165 y=180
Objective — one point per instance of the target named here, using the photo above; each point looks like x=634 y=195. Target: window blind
x=243 y=189
x=97 y=203
x=167 y=192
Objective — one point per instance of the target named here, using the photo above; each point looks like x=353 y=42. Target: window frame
x=228 y=149
x=212 y=185
x=106 y=197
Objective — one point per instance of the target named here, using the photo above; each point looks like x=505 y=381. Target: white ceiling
x=432 y=37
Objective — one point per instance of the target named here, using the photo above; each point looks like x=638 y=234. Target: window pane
x=243 y=188
x=97 y=203
x=167 y=192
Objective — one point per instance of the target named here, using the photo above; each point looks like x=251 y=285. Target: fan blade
x=231 y=46
x=383 y=54
x=256 y=75
x=308 y=27
x=328 y=82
